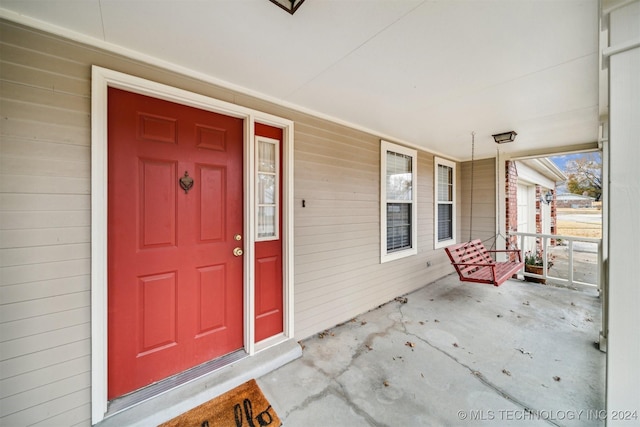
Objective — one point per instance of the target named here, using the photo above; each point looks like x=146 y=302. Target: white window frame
x=437 y=161
x=276 y=174
x=386 y=147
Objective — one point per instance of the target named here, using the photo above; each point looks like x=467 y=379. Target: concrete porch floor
x=457 y=354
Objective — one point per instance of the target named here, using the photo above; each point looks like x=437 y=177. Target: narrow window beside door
x=267 y=197
x=399 y=208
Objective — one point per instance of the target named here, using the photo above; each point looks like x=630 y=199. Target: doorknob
x=238 y=252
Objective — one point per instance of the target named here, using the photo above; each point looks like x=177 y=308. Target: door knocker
x=186 y=182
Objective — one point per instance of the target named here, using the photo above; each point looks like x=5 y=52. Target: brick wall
x=539 y=217
x=511 y=195
x=554 y=215
x=511 y=202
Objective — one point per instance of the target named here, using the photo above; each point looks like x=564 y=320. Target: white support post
x=623 y=293
x=570 y=262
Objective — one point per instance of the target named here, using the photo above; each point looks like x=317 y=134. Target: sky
x=561 y=161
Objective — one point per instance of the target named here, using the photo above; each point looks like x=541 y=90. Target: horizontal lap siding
x=484 y=201
x=44 y=236
x=45 y=222
x=338 y=273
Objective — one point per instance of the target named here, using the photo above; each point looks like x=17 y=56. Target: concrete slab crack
x=336 y=389
x=342 y=393
x=309 y=400
x=474 y=372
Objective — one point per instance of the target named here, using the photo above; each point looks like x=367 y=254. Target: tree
x=585 y=175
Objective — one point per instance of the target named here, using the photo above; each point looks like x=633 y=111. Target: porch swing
x=473 y=261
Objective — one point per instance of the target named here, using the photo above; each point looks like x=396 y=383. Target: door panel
x=211 y=281
x=157 y=312
x=212 y=196
x=175 y=287
x=157 y=203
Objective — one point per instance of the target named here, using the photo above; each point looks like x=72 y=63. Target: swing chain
x=473 y=150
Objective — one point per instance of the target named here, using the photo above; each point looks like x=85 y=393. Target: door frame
x=102 y=78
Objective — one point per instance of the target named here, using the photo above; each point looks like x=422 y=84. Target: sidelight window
x=267 y=188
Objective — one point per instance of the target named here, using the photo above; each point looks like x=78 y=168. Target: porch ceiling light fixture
x=289 y=5
x=501 y=138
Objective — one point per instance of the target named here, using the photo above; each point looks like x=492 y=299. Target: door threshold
x=169 y=398
x=134 y=398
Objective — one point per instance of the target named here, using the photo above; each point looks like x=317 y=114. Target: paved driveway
x=586 y=218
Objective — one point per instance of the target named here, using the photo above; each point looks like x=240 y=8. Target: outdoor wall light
x=548 y=197
x=501 y=138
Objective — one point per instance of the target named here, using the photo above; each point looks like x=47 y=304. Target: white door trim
x=103 y=78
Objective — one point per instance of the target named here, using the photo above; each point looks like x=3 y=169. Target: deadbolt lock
x=237 y=237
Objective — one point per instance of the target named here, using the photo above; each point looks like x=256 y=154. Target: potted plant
x=533 y=263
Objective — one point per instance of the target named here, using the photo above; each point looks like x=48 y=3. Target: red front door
x=175 y=285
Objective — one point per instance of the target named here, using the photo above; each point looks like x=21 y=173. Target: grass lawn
x=579 y=228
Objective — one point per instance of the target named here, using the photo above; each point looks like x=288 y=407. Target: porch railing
x=561 y=265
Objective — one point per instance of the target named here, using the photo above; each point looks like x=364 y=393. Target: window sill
x=398 y=255
x=444 y=243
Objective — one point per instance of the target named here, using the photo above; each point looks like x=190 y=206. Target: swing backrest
x=468 y=257
x=474 y=263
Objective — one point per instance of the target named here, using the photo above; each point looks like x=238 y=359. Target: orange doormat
x=244 y=406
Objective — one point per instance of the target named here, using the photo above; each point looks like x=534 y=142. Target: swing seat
x=474 y=263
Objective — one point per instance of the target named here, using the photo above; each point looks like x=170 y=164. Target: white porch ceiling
x=422 y=72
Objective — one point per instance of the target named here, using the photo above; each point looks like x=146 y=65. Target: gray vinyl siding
x=44 y=236
x=338 y=274
x=45 y=222
x=484 y=201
